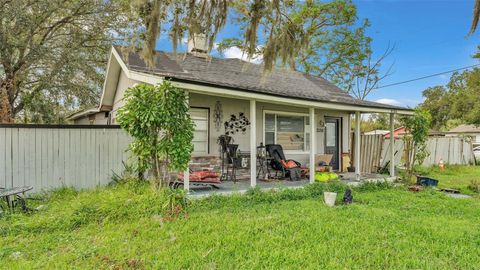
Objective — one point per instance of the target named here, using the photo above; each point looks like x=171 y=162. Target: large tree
x=456 y=103
x=52 y=55
x=476 y=16
x=321 y=38
x=327 y=40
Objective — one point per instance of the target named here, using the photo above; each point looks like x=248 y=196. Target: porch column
x=357 y=145
x=312 y=144
x=392 y=146
x=186 y=173
x=253 y=143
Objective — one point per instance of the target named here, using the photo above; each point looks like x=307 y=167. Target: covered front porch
x=316 y=128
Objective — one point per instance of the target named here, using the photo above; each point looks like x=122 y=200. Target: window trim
x=286 y=113
x=208 y=126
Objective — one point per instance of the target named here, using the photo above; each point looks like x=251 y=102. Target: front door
x=332 y=140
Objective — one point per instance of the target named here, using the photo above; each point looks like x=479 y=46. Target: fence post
x=392 y=146
x=357 y=145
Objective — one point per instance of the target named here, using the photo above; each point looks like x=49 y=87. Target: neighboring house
x=377 y=132
x=92 y=116
x=283 y=107
x=397 y=133
x=466 y=130
x=436 y=133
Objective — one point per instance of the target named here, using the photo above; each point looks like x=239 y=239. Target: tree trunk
x=6 y=109
x=6 y=115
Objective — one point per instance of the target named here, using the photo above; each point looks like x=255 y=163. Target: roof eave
x=83 y=113
x=205 y=87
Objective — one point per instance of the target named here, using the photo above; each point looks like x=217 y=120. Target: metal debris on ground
x=348 y=197
x=458 y=196
x=415 y=188
x=450 y=190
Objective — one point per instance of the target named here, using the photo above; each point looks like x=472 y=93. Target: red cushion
x=288 y=164
x=201 y=176
x=291 y=164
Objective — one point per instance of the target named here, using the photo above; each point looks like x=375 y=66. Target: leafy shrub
x=375 y=186
x=158 y=120
x=127 y=175
x=175 y=202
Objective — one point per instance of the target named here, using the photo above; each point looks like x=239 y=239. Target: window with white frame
x=290 y=130
x=200 y=135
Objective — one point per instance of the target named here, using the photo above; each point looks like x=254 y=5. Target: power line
x=428 y=76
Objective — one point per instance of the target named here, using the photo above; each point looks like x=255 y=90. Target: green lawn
x=457 y=177
x=122 y=228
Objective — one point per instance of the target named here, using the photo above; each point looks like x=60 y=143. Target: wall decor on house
x=236 y=124
x=218 y=116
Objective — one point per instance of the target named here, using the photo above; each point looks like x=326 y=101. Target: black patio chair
x=234 y=162
x=279 y=162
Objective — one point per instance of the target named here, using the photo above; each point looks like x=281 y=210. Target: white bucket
x=330 y=198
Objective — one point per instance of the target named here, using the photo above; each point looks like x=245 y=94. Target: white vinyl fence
x=375 y=152
x=47 y=157
x=452 y=150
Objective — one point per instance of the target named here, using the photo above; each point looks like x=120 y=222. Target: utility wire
x=425 y=77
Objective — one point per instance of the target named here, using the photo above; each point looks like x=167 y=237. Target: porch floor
x=241 y=186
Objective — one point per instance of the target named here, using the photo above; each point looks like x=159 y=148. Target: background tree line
x=457 y=102
x=450 y=105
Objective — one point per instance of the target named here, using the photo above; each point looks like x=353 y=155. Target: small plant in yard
x=158 y=120
x=474 y=186
x=415 y=141
x=175 y=203
x=127 y=175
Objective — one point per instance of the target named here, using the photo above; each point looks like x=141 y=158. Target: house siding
x=123 y=84
x=235 y=106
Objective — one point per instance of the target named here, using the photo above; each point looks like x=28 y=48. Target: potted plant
x=329 y=196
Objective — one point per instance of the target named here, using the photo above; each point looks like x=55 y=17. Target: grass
x=456 y=177
x=124 y=227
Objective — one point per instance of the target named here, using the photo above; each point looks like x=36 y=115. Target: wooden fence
x=375 y=152
x=47 y=157
x=370 y=152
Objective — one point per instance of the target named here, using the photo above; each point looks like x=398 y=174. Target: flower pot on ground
x=329 y=198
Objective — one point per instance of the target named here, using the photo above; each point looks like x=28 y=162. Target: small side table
x=263 y=167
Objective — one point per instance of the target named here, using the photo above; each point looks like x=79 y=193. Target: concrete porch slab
x=243 y=185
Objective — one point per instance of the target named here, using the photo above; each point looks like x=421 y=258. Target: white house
x=306 y=114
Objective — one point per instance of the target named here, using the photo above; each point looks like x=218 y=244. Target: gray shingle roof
x=242 y=75
x=465 y=129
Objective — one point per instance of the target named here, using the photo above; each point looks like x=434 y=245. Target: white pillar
x=392 y=146
x=186 y=173
x=357 y=145
x=186 y=179
x=312 y=144
x=253 y=143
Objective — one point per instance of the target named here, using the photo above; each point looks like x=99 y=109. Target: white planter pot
x=330 y=198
